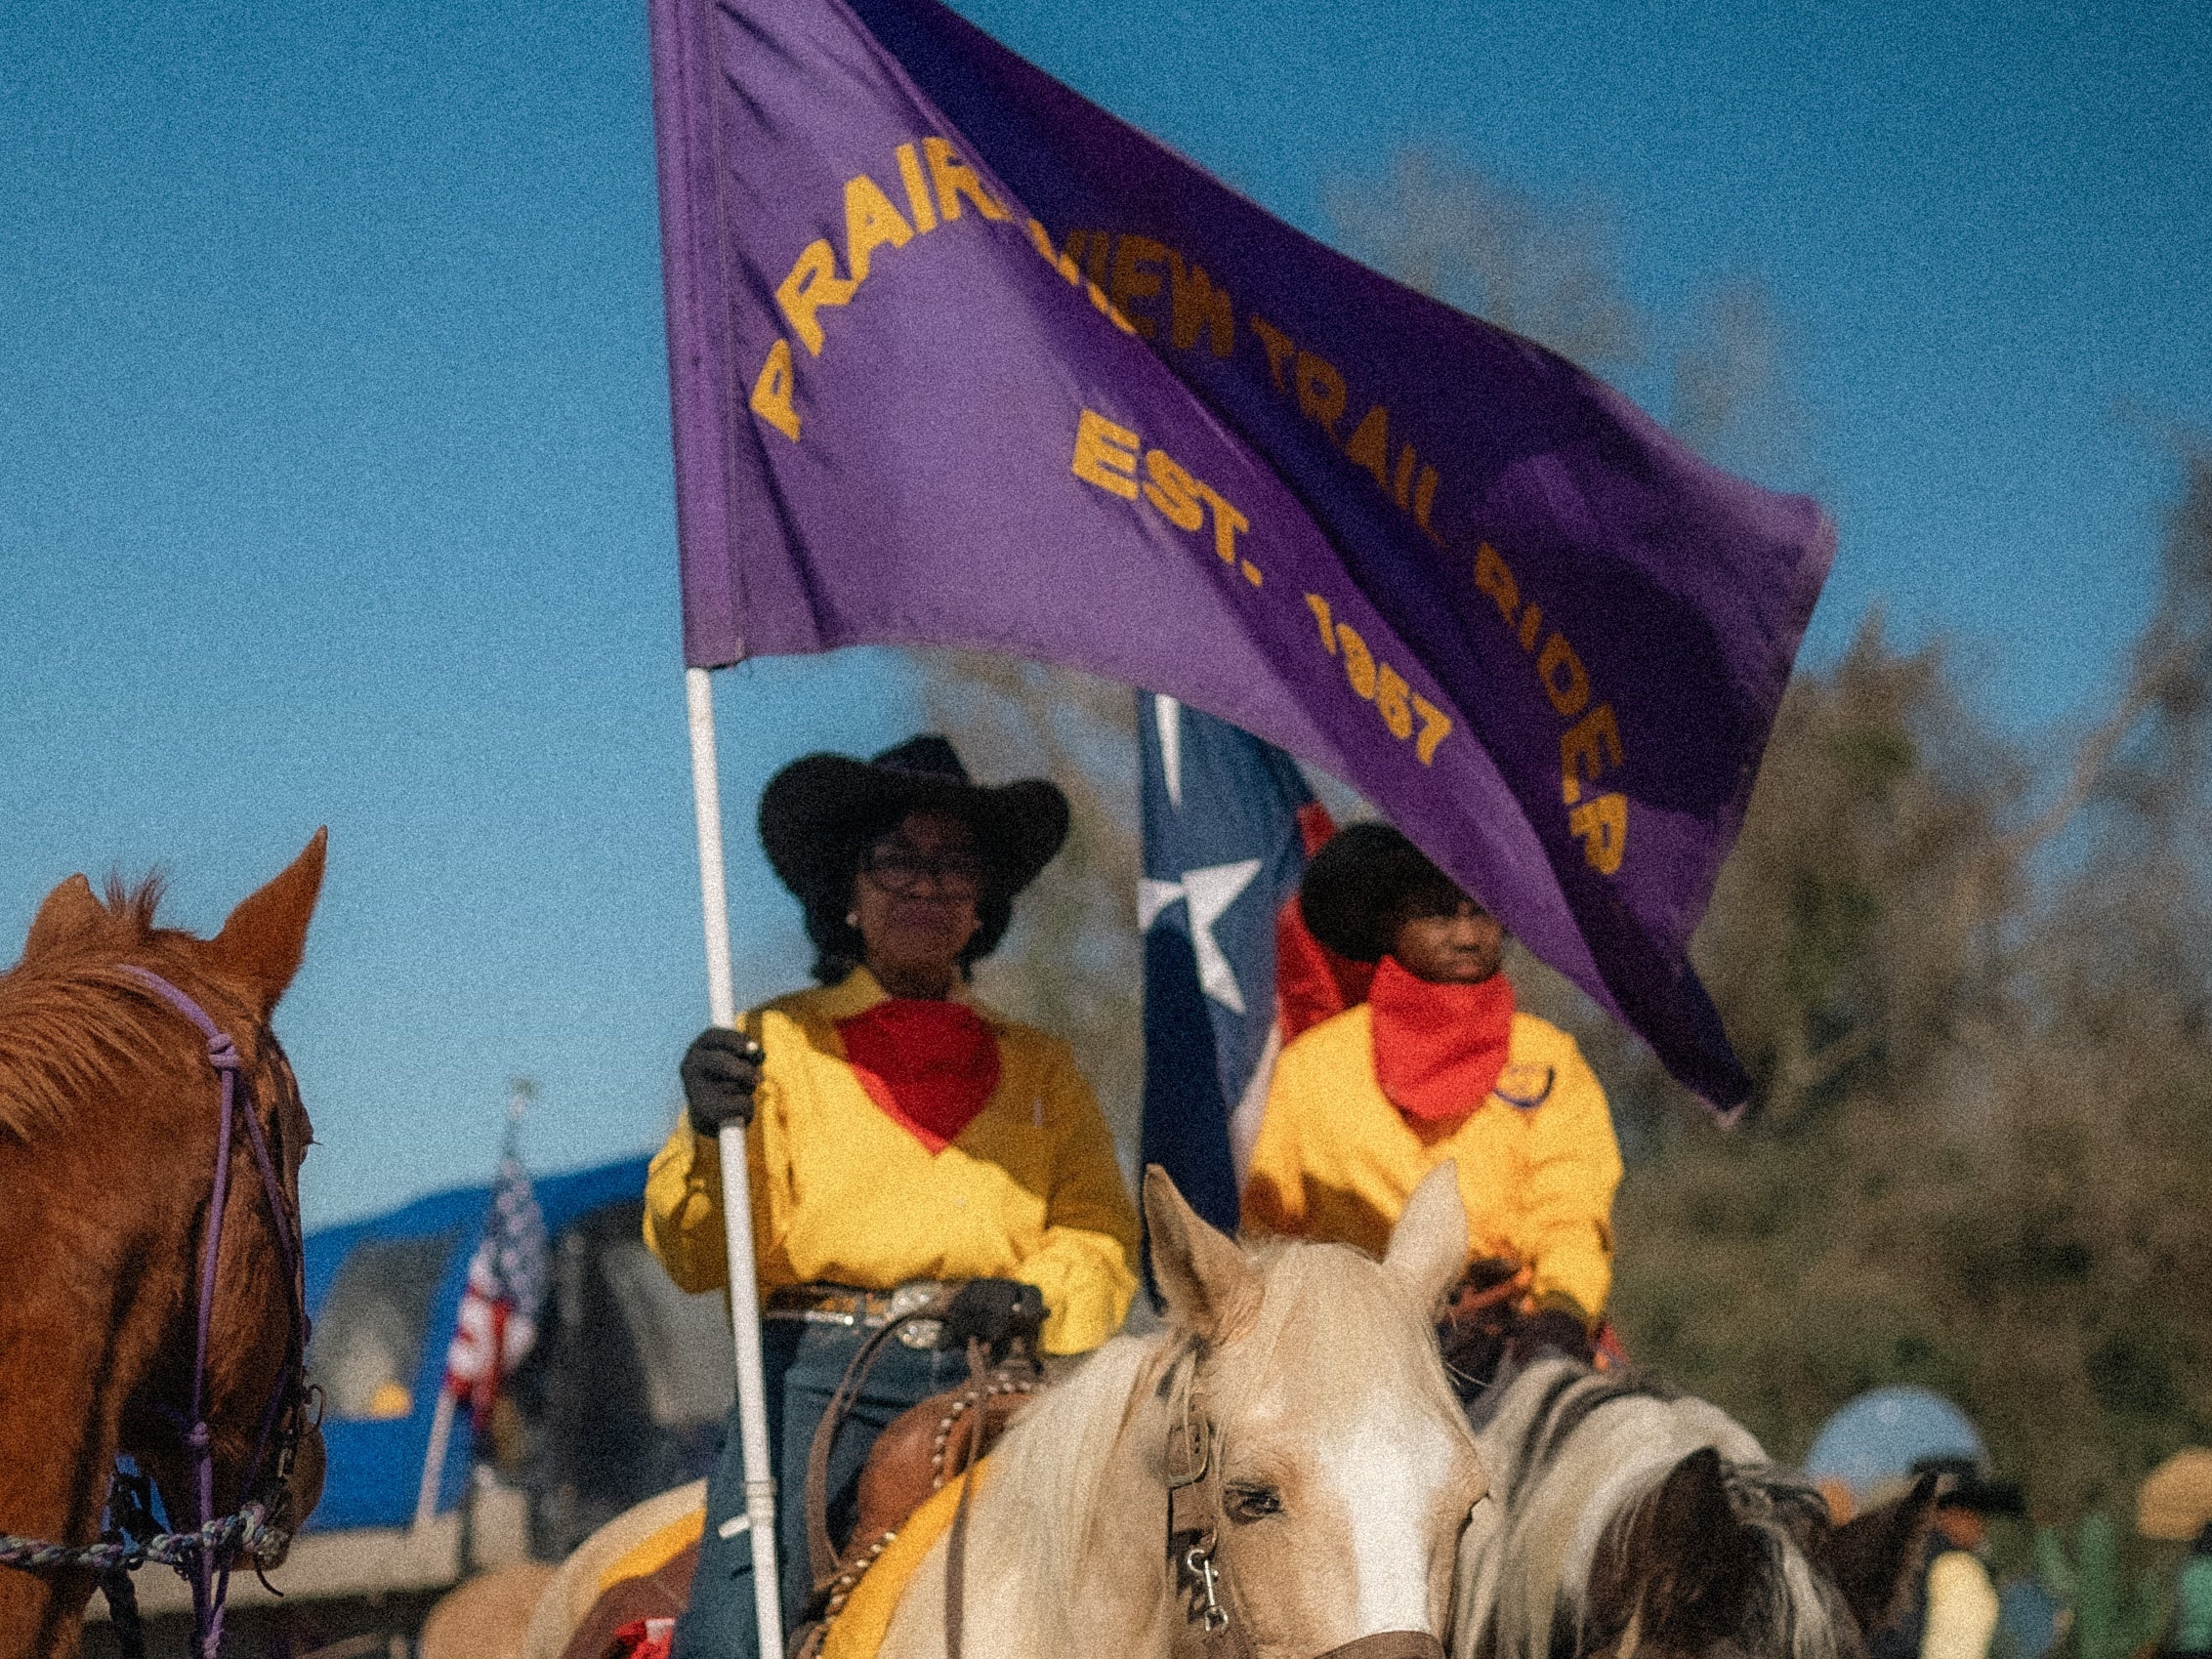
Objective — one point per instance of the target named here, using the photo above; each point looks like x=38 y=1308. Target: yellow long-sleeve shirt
x=1028 y=1190
x=1334 y=1159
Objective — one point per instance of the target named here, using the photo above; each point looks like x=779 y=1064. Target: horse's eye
x=1251 y=1503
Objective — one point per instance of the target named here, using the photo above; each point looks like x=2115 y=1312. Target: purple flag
x=959 y=358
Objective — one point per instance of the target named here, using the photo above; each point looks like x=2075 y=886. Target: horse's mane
x=71 y=1017
x=1572 y=1454
x=1055 y=1456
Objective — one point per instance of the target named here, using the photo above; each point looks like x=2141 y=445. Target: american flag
x=507 y=1280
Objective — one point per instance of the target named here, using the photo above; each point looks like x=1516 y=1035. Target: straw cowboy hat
x=1358 y=883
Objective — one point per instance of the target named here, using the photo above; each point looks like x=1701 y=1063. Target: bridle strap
x=1194 y=1476
x=956 y=1537
x=1194 y=1471
x=211 y=1579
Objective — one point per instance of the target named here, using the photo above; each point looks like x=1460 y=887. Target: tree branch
x=2096 y=754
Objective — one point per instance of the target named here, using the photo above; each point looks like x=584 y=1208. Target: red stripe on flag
x=1313 y=983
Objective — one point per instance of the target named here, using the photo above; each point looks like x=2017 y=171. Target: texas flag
x=1231 y=973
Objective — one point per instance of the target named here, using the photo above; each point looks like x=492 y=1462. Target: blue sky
x=334 y=479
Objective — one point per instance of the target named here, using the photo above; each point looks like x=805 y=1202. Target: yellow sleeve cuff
x=682 y=1224
x=1087 y=1287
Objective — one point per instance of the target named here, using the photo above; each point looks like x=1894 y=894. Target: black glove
x=1556 y=1328
x=720 y=1069
x=993 y=1312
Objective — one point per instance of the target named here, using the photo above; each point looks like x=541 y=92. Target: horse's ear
x=1872 y=1557
x=1427 y=1247
x=1685 y=1519
x=260 y=946
x=70 y=911
x=1205 y=1277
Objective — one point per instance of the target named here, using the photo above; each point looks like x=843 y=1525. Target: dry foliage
x=1967 y=974
x=1980 y=1030
x=1071 y=964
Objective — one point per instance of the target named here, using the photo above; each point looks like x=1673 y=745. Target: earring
x=851 y=918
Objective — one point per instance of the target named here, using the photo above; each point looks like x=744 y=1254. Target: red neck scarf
x=930 y=1065
x=1438 y=1049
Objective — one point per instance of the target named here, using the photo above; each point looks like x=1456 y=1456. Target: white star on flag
x=1208 y=892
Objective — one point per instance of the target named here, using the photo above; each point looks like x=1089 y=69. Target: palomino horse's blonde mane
x=69 y=1022
x=1057 y=1462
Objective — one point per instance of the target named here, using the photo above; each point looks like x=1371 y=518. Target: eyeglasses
x=903 y=872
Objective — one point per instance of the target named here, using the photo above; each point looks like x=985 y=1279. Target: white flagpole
x=736 y=1196
x=434 y=1460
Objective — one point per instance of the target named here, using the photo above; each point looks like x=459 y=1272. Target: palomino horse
x=1326 y=1480
x=110 y=1116
x=1625 y=1521
x=1283 y=1473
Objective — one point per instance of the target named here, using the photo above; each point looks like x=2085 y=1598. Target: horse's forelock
x=1820 y=1625
x=1348 y=1310
x=132 y=905
x=71 y=1016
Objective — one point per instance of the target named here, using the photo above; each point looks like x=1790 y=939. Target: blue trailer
x=623 y=1396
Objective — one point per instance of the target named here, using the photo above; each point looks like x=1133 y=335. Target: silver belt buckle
x=918 y=1334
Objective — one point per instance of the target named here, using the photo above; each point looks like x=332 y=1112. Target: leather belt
x=854 y=1308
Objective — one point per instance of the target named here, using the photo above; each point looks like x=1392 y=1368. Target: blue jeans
x=803 y=1364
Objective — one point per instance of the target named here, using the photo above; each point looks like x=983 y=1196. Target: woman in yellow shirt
x=1439 y=1063
x=901 y=1138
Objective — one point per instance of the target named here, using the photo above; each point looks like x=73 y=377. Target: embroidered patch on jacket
x=1524 y=1084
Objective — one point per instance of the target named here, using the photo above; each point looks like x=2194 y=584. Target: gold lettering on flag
x=1590 y=746
x=1400 y=707
x=935 y=182
x=1106 y=456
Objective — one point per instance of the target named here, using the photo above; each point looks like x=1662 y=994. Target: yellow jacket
x=1335 y=1159
x=1029 y=1190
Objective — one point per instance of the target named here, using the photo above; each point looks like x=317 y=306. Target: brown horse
x=108 y=1124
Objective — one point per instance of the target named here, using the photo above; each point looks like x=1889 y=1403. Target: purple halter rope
x=211 y=1566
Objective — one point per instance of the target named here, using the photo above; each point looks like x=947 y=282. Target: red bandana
x=930 y=1065
x=1438 y=1049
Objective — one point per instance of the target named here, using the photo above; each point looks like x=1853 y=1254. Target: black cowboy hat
x=813 y=811
x=1360 y=883
x=1969 y=1488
